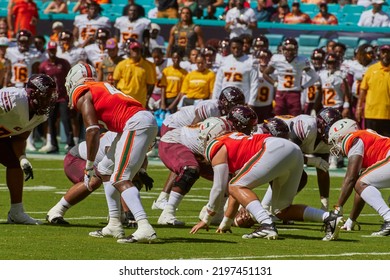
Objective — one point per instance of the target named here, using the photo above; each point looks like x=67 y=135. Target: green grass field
x=301 y=241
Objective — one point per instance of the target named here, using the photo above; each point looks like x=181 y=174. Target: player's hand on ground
x=199 y=226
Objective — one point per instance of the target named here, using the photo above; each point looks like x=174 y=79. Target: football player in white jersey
x=290 y=67
x=229 y=97
x=335 y=91
x=261 y=103
x=96 y=52
x=237 y=70
x=24 y=60
x=133 y=26
x=85 y=25
x=310 y=134
x=21 y=110
x=310 y=100
x=68 y=51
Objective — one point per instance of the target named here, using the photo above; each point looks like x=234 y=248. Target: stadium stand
x=307 y=43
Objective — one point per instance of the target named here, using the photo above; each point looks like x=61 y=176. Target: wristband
x=92 y=127
x=346 y=105
x=276 y=84
x=142 y=170
x=89 y=165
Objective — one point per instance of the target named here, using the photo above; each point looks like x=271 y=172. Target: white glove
x=27 y=168
x=350 y=225
x=318 y=162
x=88 y=174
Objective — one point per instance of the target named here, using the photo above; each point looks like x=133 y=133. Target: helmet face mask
x=23 y=39
x=42 y=93
x=325 y=119
x=243 y=118
x=230 y=96
x=338 y=131
x=77 y=75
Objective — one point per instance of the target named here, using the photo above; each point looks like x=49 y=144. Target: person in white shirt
x=240 y=20
x=237 y=70
x=156 y=40
x=85 y=25
x=374 y=17
x=290 y=67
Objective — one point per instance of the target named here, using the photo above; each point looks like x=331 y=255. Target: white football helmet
x=211 y=128
x=77 y=75
x=337 y=132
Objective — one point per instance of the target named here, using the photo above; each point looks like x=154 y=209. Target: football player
x=367 y=171
x=136 y=128
x=21 y=110
x=289 y=67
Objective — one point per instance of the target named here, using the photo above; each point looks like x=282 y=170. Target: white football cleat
x=109 y=231
x=159 y=204
x=30 y=147
x=169 y=219
x=47 y=148
x=146 y=234
x=21 y=218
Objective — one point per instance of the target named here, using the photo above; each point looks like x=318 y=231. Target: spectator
x=23 y=15
x=264 y=13
x=330 y=46
x=281 y=12
x=160 y=63
x=135 y=76
x=198 y=85
x=82 y=6
x=211 y=10
x=5 y=64
x=56 y=28
x=323 y=17
x=374 y=17
x=4 y=32
x=57 y=68
x=247 y=40
x=56 y=7
x=156 y=40
x=171 y=83
x=141 y=10
x=296 y=15
x=191 y=4
x=107 y=67
x=209 y=5
x=240 y=20
x=376 y=106
x=167 y=9
x=185 y=34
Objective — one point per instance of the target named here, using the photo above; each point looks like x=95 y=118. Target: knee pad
x=186 y=179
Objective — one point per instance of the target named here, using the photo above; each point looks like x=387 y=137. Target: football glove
x=88 y=174
x=27 y=168
x=146 y=180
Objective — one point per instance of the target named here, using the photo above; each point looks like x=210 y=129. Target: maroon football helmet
x=243 y=118
x=260 y=42
x=230 y=96
x=277 y=127
x=325 y=119
x=318 y=58
x=23 y=39
x=290 y=48
x=41 y=93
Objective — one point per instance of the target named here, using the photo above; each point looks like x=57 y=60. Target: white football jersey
x=105 y=141
x=289 y=73
x=238 y=72
x=14 y=112
x=187 y=136
x=88 y=27
x=357 y=71
x=309 y=95
x=95 y=55
x=186 y=115
x=131 y=29
x=331 y=84
x=73 y=55
x=303 y=129
x=21 y=64
x=265 y=93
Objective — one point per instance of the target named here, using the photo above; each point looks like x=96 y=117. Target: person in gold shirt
x=135 y=76
x=171 y=83
x=198 y=84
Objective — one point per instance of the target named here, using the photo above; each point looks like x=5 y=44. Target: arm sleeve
x=217 y=192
